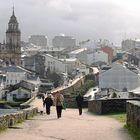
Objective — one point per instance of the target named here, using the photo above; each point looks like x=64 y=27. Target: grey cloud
x=83 y=19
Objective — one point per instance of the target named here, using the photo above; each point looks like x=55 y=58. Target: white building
x=96 y=56
x=130 y=44
x=80 y=54
x=94 y=44
x=14 y=74
x=72 y=64
x=100 y=56
x=38 y=40
x=55 y=65
x=63 y=41
x=25 y=90
x=20 y=93
x=32 y=49
x=84 y=70
x=117 y=50
x=118 y=77
x=89 y=56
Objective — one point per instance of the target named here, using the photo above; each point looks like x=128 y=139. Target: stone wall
x=133 y=114
x=27 y=103
x=10 y=119
x=73 y=87
x=105 y=106
x=95 y=106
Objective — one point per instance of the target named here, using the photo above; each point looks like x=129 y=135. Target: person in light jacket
x=58 y=100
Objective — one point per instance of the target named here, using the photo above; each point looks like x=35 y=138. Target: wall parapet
x=104 y=106
x=9 y=119
x=133 y=114
x=27 y=103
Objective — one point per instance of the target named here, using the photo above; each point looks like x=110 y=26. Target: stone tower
x=13 y=39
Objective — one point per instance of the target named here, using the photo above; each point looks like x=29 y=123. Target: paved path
x=70 y=127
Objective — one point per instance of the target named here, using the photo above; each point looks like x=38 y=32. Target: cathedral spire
x=13 y=11
x=13 y=19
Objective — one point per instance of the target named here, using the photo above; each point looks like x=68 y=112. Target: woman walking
x=58 y=100
x=48 y=102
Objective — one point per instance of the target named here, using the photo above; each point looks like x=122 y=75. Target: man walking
x=79 y=101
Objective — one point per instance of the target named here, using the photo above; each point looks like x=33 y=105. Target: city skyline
x=89 y=19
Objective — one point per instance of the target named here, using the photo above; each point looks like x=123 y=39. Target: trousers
x=48 y=110
x=59 y=111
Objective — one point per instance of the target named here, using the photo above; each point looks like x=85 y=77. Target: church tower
x=13 y=39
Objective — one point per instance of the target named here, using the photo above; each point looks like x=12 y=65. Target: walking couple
x=58 y=101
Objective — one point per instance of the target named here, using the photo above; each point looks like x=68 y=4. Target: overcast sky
x=84 y=19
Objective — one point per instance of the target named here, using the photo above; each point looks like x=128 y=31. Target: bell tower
x=13 y=39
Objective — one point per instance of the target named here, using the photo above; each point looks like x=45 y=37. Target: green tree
x=55 y=78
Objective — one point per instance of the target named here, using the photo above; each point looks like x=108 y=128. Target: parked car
x=91 y=94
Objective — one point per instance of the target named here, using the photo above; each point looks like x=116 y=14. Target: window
x=14 y=96
x=25 y=95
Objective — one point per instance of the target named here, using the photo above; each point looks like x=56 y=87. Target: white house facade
x=84 y=70
x=14 y=74
x=13 y=78
x=80 y=54
x=96 y=56
x=63 y=41
x=54 y=64
x=20 y=93
x=72 y=64
x=100 y=56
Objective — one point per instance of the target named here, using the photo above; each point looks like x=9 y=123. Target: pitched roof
x=14 y=69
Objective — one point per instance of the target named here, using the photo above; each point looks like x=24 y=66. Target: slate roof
x=14 y=69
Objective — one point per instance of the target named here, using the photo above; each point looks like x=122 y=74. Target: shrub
x=114 y=95
x=87 y=85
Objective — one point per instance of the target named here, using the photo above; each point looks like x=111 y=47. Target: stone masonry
x=8 y=120
x=133 y=114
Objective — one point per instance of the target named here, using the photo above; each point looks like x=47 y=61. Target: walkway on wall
x=70 y=127
x=73 y=82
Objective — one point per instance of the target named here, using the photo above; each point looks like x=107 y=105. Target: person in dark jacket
x=79 y=101
x=48 y=102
